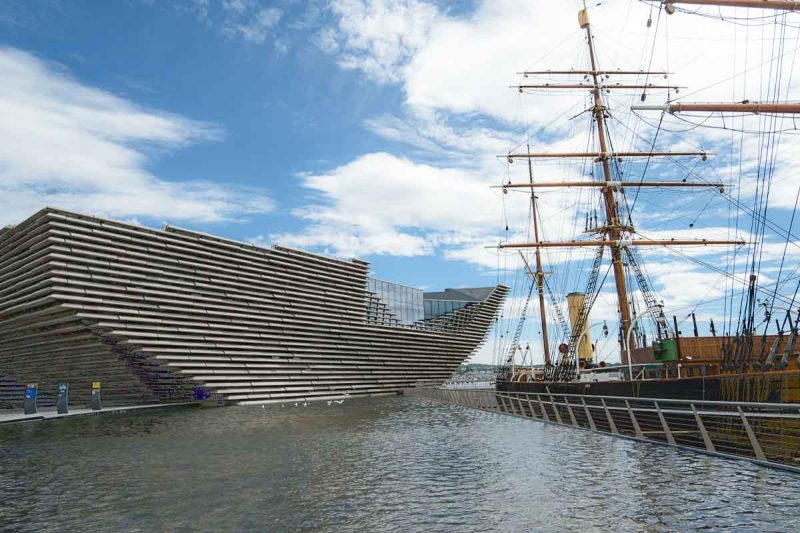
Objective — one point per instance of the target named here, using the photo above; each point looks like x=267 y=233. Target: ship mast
x=539 y=277
x=615 y=235
x=729 y=107
x=613 y=229
x=787 y=5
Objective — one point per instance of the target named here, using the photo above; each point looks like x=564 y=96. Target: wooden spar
x=591 y=72
x=787 y=5
x=603 y=155
x=538 y=278
x=621 y=184
x=614 y=233
x=539 y=273
x=735 y=107
x=617 y=244
x=588 y=86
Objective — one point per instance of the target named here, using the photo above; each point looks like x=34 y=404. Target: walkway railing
x=766 y=433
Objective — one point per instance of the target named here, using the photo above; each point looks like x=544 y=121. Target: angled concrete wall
x=155 y=314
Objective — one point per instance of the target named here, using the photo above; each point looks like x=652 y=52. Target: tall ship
x=150 y=316
x=662 y=181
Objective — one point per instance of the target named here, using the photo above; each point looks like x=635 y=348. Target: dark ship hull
x=769 y=387
x=701 y=371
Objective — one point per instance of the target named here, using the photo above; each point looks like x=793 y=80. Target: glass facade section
x=434 y=308
x=404 y=302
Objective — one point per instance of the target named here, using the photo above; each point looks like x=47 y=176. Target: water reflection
x=392 y=464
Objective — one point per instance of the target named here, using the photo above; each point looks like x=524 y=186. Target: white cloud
x=378 y=37
x=454 y=72
x=467 y=63
x=464 y=64
x=197 y=8
x=388 y=204
x=326 y=40
x=254 y=25
x=433 y=132
x=350 y=240
x=66 y=144
x=380 y=189
x=236 y=6
x=428 y=52
x=281 y=46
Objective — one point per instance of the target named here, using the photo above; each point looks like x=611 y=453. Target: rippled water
x=393 y=464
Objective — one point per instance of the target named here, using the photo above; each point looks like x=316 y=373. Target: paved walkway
x=16 y=415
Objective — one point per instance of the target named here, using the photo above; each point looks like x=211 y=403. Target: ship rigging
x=744 y=344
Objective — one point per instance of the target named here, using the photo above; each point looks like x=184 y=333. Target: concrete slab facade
x=156 y=315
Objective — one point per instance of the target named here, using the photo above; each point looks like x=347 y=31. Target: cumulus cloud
x=351 y=240
x=388 y=204
x=459 y=114
x=251 y=24
x=66 y=144
x=236 y=6
x=326 y=40
x=378 y=37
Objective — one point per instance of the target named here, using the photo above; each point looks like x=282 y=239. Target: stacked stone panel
x=155 y=314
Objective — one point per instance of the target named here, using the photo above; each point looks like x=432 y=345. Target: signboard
x=96 y=406
x=30 y=391
x=30 y=398
x=61 y=399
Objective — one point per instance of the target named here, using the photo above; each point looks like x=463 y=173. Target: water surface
x=389 y=464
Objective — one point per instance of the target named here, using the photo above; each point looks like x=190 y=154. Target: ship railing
x=761 y=432
x=623 y=371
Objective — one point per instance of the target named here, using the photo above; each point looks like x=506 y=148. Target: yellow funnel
x=574 y=304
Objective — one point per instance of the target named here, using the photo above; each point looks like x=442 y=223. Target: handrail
x=734 y=412
x=761 y=432
x=672 y=400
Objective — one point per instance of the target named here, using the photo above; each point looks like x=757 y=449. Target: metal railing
x=765 y=433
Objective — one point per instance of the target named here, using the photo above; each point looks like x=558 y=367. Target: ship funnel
x=575 y=302
x=583 y=18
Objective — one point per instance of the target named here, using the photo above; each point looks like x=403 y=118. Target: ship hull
x=770 y=387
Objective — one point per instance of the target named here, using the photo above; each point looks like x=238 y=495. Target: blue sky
x=281 y=105
x=371 y=128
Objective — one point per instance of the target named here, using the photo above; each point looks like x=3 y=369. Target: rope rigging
x=747 y=198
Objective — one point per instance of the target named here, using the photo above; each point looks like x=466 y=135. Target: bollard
x=96 y=396
x=30 y=398
x=61 y=399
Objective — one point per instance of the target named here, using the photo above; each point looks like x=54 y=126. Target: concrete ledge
x=9 y=417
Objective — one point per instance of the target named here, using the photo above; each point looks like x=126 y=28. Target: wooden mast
x=615 y=184
x=616 y=234
x=787 y=5
x=613 y=227
x=722 y=107
x=729 y=107
x=620 y=243
x=599 y=72
x=603 y=155
x=607 y=87
x=539 y=278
